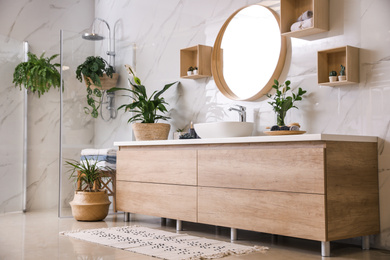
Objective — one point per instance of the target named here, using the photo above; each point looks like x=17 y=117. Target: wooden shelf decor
x=331 y=59
x=290 y=10
x=199 y=56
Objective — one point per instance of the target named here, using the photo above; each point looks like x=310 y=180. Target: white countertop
x=255 y=139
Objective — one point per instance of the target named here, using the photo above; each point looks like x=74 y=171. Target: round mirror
x=249 y=53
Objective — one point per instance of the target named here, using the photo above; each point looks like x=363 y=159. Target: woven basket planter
x=90 y=206
x=107 y=82
x=151 y=131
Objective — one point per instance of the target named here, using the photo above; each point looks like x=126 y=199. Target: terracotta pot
x=151 y=131
x=90 y=206
x=107 y=82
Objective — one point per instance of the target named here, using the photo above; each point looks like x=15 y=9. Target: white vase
x=195 y=72
x=189 y=73
x=342 y=78
x=332 y=78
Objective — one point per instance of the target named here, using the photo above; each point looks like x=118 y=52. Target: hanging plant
x=37 y=75
x=92 y=70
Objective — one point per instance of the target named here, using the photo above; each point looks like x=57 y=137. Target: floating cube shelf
x=331 y=59
x=290 y=10
x=199 y=56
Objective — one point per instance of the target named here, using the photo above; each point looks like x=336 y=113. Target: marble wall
x=161 y=28
x=11 y=128
x=39 y=22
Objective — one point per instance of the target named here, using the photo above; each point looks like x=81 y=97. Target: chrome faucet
x=241 y=112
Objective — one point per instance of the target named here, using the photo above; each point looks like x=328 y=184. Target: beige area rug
x=162 y=244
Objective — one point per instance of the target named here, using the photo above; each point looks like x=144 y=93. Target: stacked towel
x=304 y=21
x=302 y=25
x=305 y=16
x=107 y=151
x=103 y=158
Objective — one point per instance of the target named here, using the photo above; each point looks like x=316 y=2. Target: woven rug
x=161 y=244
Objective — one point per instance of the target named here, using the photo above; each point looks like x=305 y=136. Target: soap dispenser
x=192 y=131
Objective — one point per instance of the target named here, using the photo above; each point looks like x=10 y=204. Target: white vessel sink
x=224 y=129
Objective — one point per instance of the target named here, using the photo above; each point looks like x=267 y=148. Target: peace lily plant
x=146 y=109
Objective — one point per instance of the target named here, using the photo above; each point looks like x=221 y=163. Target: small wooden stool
x=101 y=184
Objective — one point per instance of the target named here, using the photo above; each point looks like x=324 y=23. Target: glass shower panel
x=11 y=128
x=77 y=127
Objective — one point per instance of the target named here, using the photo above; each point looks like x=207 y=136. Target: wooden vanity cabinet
x=318 y=190
x=157 y=182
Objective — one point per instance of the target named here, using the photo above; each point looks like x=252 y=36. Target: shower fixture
x=93 y=36
x=110 y=97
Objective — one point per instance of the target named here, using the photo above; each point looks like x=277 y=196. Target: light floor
x=35 y=235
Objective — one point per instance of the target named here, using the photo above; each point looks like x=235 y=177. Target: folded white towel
x=306 y=15
x=101 y=164
x=302 y=25
x=106 y=151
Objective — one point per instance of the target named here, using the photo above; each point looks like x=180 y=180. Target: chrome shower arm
x=110 y=52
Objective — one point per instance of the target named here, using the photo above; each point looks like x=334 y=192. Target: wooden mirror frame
x=217 y=66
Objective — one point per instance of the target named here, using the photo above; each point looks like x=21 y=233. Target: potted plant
x=190 y=71
x=342 y=76
x=332 y=76
x=145 y=109
x=195 y=71
x=91 y=204
x=281 y=102
x=37 y=74
x=98 y=75
x=178 y=133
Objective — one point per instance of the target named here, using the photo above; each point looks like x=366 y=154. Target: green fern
x=37 y=75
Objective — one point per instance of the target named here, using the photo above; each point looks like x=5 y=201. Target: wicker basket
x=151 y=131
x=107 y=82
x=90 y=206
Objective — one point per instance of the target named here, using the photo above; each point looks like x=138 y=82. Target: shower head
x=92 y=37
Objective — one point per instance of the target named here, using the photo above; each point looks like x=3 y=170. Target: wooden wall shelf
x=331 y=59
x=199 y=56
x=290 y=10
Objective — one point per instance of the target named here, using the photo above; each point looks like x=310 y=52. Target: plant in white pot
x=146 y=110
x=90 y=204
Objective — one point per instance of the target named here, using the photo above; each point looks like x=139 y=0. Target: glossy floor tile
x=35 y=235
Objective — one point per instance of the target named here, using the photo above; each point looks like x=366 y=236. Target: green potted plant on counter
x=37 y=75
x=146 y=110
x=281 y=102
x=90 y=204
x=98 y=76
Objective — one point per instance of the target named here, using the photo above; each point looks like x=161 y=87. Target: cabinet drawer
x=158 y=166
x=279 y=169
x=282 y=213
x=169 y=201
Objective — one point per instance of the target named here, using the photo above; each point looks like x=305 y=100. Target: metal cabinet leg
x=127 y=216
x=366 y=242
x=325 y=248
x=233 y=234
x=217 y=230
x=179 y=225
